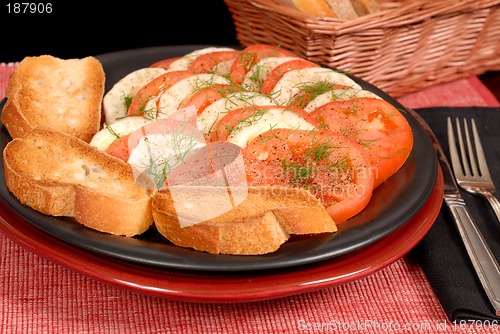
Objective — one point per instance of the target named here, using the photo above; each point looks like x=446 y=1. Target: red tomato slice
x=164 y=63
x=216 y=164
x=277 y=73
x=183 y=120
x=377 y=125
x=153 y=89
x=253 y=54
x=120 y=148
x=206 y=63
x=230 y=120
x=330 y=165
x=205 y=96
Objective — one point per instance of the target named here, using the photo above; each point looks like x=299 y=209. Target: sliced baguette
x=259 y=224
x=341 y=9
x=65 y=94
x=61 y=175
x=365 y=7
x=312 y=7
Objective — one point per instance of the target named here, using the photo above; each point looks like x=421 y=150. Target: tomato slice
x=251 y=55
x=333 y=167
x=277 y=73
x=377 y=125
x=120 y=148
x=207 y=63
x=230 y=120
x=181 y=121
x=164 y=63
x=152 y=89
x=216 y=164
x=205 y=96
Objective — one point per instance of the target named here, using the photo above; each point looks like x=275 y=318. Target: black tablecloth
x=441 y=252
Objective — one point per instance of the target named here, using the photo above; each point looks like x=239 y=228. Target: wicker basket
x=407 y=46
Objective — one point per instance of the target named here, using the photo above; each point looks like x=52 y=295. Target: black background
x=81 y=28
x=78 y=29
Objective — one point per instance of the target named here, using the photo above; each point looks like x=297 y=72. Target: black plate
x=392 y=204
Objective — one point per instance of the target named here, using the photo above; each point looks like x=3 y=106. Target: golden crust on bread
x=61 y=175
x=259 y=224
x=64 y=94
x=341 y=9
x=365 y=7
x=312 y=7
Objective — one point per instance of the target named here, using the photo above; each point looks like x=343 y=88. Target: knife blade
x=480 y=254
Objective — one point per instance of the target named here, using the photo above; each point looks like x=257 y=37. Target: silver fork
x=481 y=256
x=470 y=166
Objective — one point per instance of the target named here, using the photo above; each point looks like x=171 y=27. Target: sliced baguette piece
x=312 y=7
x=341 y=9
x=259 y=224
x=65 y=94
x=365 y=7
x=60 y=175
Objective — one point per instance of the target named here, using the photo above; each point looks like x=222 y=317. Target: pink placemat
x=39 y=296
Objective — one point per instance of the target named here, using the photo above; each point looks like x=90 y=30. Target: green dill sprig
x=319 y=152
x=251 y=119
x=127 y=100
x=309 y=91
x=112 y=131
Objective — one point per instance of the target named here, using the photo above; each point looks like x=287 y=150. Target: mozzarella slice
x=170 y=99
x=114 y=102
x=185 y=61
x=293 y=81
x=338 y=95
x=255 y=77
x=265 y=120
x=223 y=68
x=211 y=114
x=158 y=154
x=111 y=132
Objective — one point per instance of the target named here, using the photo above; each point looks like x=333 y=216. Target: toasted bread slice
x=61 y=175
x=64 y=94
x=312 y=7
x=365 y=7
x=341 y=9
x=258 y=223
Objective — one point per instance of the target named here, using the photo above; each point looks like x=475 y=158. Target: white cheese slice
x=338 y=95
x=266 y=120
x=255 y=77
x=114 y=104
x=293 y=81
x=185 y=61
x=215 y=111
x=158 y=154
x=223 y=68
x=170 y=98
x=121 y=127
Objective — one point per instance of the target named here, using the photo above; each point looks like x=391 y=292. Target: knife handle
x=483 y=260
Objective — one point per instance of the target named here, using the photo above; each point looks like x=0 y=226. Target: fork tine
x=483 y=165
x=463 y=154
x=472 y=159
x=455 y=158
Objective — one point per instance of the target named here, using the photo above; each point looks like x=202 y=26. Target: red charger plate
x=234 y=286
